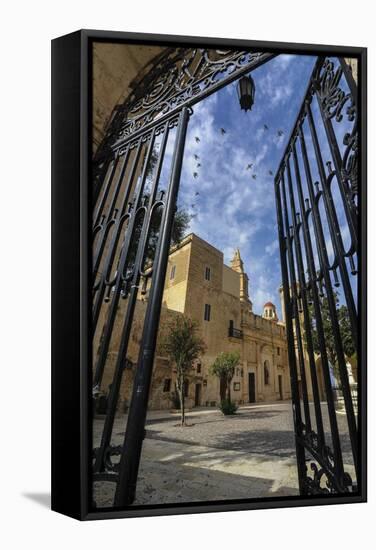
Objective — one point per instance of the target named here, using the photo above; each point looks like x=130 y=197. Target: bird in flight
x=266 y=127
x=254 y=176
x=196 y=157
x=198 y=165
x=249 y=166
x=195 y=174
x=197 y=193
x=280 y=133
x=223 y=131
x=270 y=173
x=197 y=139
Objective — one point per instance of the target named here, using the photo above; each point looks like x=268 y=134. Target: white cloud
x=272 y=247
x=278 y=93
x=284 y=60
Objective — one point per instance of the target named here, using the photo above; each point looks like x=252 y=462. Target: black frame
x=71 y=252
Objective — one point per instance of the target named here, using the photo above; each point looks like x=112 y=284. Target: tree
x=179 y=229
x=183 y=346
x=344 y=327
x=224 y=368
x=180 y=224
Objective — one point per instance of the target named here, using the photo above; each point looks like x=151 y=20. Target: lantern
x=246 y=92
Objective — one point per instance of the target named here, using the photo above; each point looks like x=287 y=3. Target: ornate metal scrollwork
x=350 y=163
x=324 y=479
x=332 y=96
x=333 y=99
x=110 y=467
x=313 y=485
x=321 y=483
x=175 y=78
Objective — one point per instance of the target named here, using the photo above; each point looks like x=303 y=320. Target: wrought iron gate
x=135 y=190
x=316 y=189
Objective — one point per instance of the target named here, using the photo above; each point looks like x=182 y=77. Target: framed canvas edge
x=66 y=366
x=86 y=38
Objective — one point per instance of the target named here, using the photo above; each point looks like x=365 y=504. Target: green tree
x=183 y=346
x=181 y=219
x=179 y=229
x=345 y=330
x=224 y=368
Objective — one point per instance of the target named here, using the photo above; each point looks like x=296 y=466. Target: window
x=266 y=373
x=167 y=385
x=172 y=272
x=198 y=368
x=207 y=273
x=278 y=351
x=207 y=312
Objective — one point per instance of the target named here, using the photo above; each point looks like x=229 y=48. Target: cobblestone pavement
x=215 y=457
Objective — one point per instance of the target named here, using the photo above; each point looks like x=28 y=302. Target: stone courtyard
x=216 y=457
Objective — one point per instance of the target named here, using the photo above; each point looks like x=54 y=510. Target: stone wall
x=115 y=66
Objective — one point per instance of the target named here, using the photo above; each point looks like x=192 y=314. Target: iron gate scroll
x=316 y=189
x=132 y=206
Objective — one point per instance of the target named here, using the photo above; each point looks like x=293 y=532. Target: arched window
x=266 y=372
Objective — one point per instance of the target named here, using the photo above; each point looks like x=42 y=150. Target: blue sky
x=233 y=209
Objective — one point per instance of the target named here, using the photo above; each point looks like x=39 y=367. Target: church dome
x=270 y=312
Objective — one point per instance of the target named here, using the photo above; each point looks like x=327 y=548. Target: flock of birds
x=249 y=166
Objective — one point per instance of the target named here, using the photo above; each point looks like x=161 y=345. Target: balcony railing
x=234 y=332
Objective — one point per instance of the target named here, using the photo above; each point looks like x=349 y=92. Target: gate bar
x=300 y=453
x=119 y=281
x=130 y=458
x=98 y=176
x=289 y=240
x=110 y=220
x=334 y=229
x=342 y=184
x=324 y=272
x=106 y=190
x=303 y=292
x=333 y=310
x=123 y=215
x=127 y=324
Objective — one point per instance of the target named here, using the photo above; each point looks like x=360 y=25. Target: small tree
x=224 y=368
x=183 y=346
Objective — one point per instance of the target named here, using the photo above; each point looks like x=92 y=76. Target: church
x=201 y=286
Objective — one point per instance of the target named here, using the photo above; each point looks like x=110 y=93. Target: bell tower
x=238 y=266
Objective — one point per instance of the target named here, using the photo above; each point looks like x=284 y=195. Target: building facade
x=199 y=285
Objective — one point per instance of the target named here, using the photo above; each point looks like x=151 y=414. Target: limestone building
x=199 y=285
